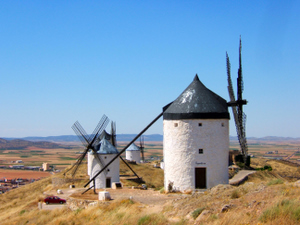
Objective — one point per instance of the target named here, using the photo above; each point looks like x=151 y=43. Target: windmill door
x=200 y=178
x=108 y=182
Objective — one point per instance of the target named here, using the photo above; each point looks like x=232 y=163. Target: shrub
x=213 y=217
x=283 y=209
x=22 y=211
x=152 y=219
x=266 y=167
x=144 y=220
x=162 y=190
x=126 y=202
x=235 y=194
x=77 y=211
x=275 y=181
x=197 y=212
x=240 y=164
x=269 y=168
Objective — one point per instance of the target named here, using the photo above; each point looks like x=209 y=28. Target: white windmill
x=196 y=139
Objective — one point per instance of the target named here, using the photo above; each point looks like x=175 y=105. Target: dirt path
x=149 y=198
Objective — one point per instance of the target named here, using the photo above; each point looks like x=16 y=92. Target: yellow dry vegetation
x=265 y=198
x=153 y=177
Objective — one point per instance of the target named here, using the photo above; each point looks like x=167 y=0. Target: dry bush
x=152 y=219
x=285 y=209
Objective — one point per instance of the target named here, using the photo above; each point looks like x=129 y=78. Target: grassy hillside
x=266 y=198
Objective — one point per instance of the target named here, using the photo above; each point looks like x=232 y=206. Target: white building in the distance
x=112 y=173
x=133 y=153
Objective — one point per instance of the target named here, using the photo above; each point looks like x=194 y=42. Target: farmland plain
x=60 y=158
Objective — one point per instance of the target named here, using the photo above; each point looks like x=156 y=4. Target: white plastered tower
x=133 y=153
x=106 y=153
x=196 y=140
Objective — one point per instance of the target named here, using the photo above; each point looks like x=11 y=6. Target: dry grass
x=291 y=173
x=25 y=174
x=119 y=212
x=266 y=198
x=153 y=177
x=35 y=157
x=23 y=199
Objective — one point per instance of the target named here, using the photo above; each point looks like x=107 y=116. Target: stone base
x=116 y=185
x=104 y=196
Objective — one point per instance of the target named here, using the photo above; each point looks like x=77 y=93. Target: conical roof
x=107 y=148
x=197 y=102
x=133 y=147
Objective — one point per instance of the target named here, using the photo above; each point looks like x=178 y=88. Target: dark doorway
x=200 y=178
x=108 y=182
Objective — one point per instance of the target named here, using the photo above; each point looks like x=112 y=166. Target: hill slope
x=265 y=198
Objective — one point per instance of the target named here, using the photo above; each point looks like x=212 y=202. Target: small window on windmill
x=200 y=124
x=108 y=170
x=175 y=124
x=105 y=157
x=223 y=125
x=200 y=150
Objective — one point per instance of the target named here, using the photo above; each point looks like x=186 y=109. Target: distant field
x=25 y=174
x=152 y=150
x=279 y=149
x=62 y=158
x=36 y=157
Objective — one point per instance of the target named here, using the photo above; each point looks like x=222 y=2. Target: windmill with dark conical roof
x=196 y=139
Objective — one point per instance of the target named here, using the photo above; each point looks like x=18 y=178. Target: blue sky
x=62 y=61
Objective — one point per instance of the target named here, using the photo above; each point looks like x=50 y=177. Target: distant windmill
x=92 y=142
x=113 y=140
x=237 y=105
x=124 y=149
x=89 y=142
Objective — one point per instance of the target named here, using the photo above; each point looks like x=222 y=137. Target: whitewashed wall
x=133 y=156
x=94 y=168
x=181 y=152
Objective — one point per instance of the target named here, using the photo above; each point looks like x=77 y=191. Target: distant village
x=6 y=183
x=44 y=167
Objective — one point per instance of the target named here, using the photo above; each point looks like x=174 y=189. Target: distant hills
x=63 y=141
x=23 y=144
x=74 y=138
x=269 y=138
x=123 y=137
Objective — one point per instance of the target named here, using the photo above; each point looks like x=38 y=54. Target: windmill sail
x=89 y=141
x=237 y=105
